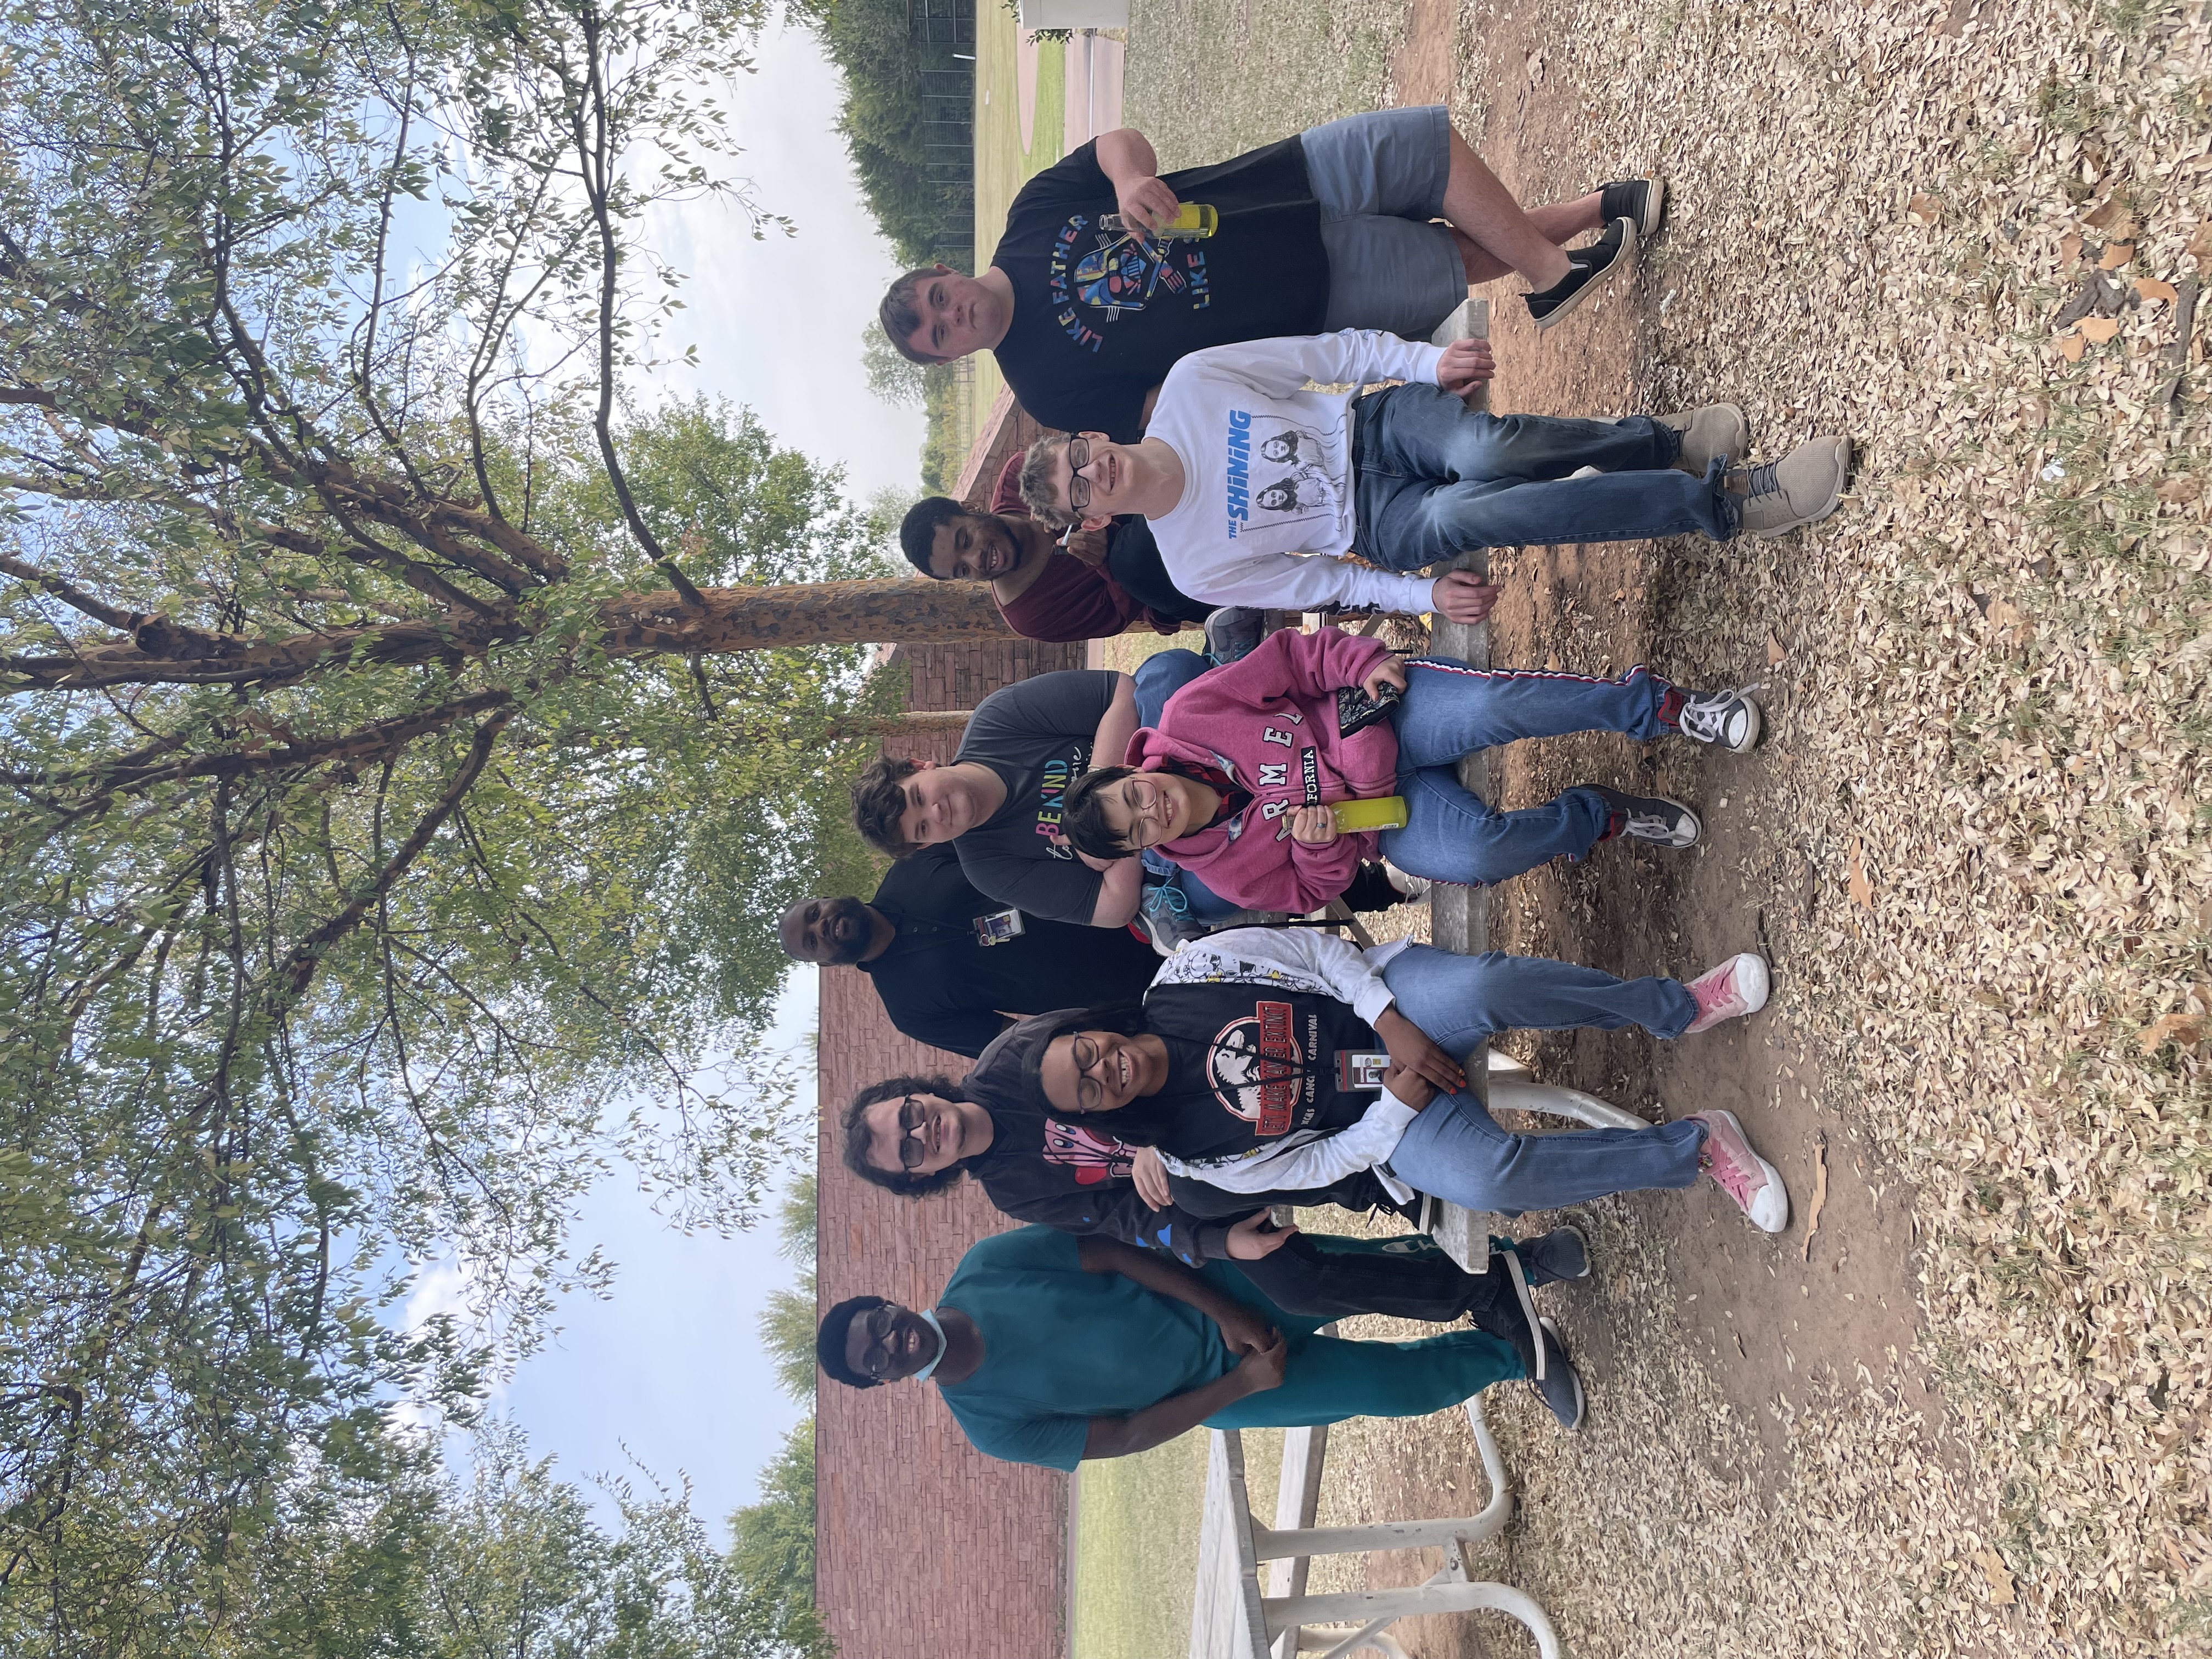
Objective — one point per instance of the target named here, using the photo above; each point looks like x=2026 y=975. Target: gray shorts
x=1380 y=178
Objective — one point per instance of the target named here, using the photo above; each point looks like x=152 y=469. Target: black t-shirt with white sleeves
x=1101 y=316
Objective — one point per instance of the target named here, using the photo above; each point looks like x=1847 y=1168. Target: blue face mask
x=930 y=1319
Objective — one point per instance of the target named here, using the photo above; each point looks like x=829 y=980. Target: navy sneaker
x=1233 y=631
x=1561 y=1253
x=1659 y=819
x=1561 y=1388
x=1586 y=270
x=1164 y=915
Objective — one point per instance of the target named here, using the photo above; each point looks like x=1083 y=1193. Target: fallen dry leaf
x=2185 y=1031
x=2184 y=487
x=2098 y=330
x=2069 y=247
x=1820 y=1189
x=1861 y=890
x=2071 y=345
x=2151 y=288
x=1924 y=209
x=2116 y=255
x=1999 y=1575
x=1775 y=653
x=2113 y=219
x=2200 y=244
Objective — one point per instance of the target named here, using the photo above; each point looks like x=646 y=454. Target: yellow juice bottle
x=1384 y=812
x=1192 y=219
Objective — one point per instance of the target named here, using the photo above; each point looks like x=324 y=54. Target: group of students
x=1147 y=1115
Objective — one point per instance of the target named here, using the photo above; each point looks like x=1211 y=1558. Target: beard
x=844 y=915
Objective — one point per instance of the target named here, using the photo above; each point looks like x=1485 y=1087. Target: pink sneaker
x=1742 y=1174
x=1738 y=986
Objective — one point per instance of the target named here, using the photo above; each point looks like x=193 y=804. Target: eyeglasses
x=1141 y=797
x=1090 y=1094
x=1078 y=487
x=912 y=1151
x=878 y=1358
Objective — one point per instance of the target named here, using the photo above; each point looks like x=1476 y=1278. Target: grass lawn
x=1136 y=1543
x=1001 y=164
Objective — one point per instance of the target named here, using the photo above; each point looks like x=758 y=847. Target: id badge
x=1356 y=1071
x=997 y=927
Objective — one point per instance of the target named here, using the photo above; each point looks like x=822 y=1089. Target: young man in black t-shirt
x=951 y=965
x=1327 y=230
x=999 y=801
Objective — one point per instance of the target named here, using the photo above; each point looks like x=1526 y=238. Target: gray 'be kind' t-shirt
x=1036 y=735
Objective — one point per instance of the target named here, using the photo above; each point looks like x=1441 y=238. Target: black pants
x=1329 y=1276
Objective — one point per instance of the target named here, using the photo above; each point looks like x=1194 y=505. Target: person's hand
x=1390 y=672
x=1242 y=1330
x=1465 y=366
x=1409 y=1087
x=1464 y=597
x=1261 y=1369
x=1150 y=1177
x=1411 y=1049
x=1313 y=825
x=1252 y=1238
x=1088 y=545
x=1146 y=204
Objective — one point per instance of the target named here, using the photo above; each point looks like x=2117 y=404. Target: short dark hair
x=829 y=1342
x=1036 y=481
x=902 y=1183
x=878 y=804
x=1083 y=814
x=918 y=530
x=900 y=319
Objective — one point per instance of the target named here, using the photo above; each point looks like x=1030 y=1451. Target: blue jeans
x=1449 y=710
x=1158 y=678
x=1432 y=477
x=1455 y=1151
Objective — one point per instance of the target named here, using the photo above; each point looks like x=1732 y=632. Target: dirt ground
x=1964 y=1414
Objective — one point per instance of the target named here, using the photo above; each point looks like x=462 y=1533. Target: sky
x=667 y=1371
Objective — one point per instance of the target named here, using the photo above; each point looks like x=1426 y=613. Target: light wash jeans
x=1449 y=710
x=1432 y=477
x=1456 y=1151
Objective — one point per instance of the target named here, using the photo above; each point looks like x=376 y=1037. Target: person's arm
x=1355 y=357
x=1299 y=582
x=1155 y=1425
x=1319 y=1162
x=1299 y=958
x=1241 y=1329
x=1118 y=724
x=1120 y=888
x=1125 y=157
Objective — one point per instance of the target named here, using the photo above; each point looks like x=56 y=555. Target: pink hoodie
x=1269 y=721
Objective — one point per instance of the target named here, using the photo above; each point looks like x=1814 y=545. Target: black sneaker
x=1656 y=818
x=1587 y=267
x=1644 y=200
x=1232 y=631
x=1561 y=1389
x=1561 y=1253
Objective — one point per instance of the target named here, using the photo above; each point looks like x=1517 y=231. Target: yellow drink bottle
x=1384 y=812
x=1192 y=220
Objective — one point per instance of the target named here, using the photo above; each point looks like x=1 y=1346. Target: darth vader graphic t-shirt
x=1100 y=315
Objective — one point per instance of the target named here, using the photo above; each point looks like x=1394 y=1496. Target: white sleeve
x=1354 y=355
x=1318 y=1163
x=1304 y=582
x=1300 y=958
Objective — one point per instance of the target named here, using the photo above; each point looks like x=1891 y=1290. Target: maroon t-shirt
x=1069 y=599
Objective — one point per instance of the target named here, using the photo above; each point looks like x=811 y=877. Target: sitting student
x=1101 y=584
x=950 y=965
x=1330 y=229
x=919 y=1135
x=1050 y=1349
x=1258 y=1061
x=1233 y=783
x=1406 y=476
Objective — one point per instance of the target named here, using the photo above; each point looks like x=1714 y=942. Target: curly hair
x=829 y=1340
x=1039 y=488
x=901 y=316
x=1082 y=814
x=878 y=804
x=918 y=530
x=905 y=1183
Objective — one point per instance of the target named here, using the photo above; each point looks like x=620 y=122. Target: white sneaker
x=1737 y=986
x=1742 y=1173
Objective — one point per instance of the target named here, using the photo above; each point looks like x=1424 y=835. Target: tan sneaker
x=1716 y=429
x=1803 y=488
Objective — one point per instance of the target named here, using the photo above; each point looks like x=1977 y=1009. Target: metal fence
x=941 y=44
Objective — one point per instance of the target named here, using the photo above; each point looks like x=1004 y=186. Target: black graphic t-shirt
x=1101 y=316
x=1036 y=735
x=961 y=960
x=1250 y=1064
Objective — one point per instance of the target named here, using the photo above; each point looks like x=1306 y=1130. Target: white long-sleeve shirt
x=1267 y=471
x=1309 y=960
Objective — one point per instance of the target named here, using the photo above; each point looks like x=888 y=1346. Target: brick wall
x=1006 y=429
x=924 y=1547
